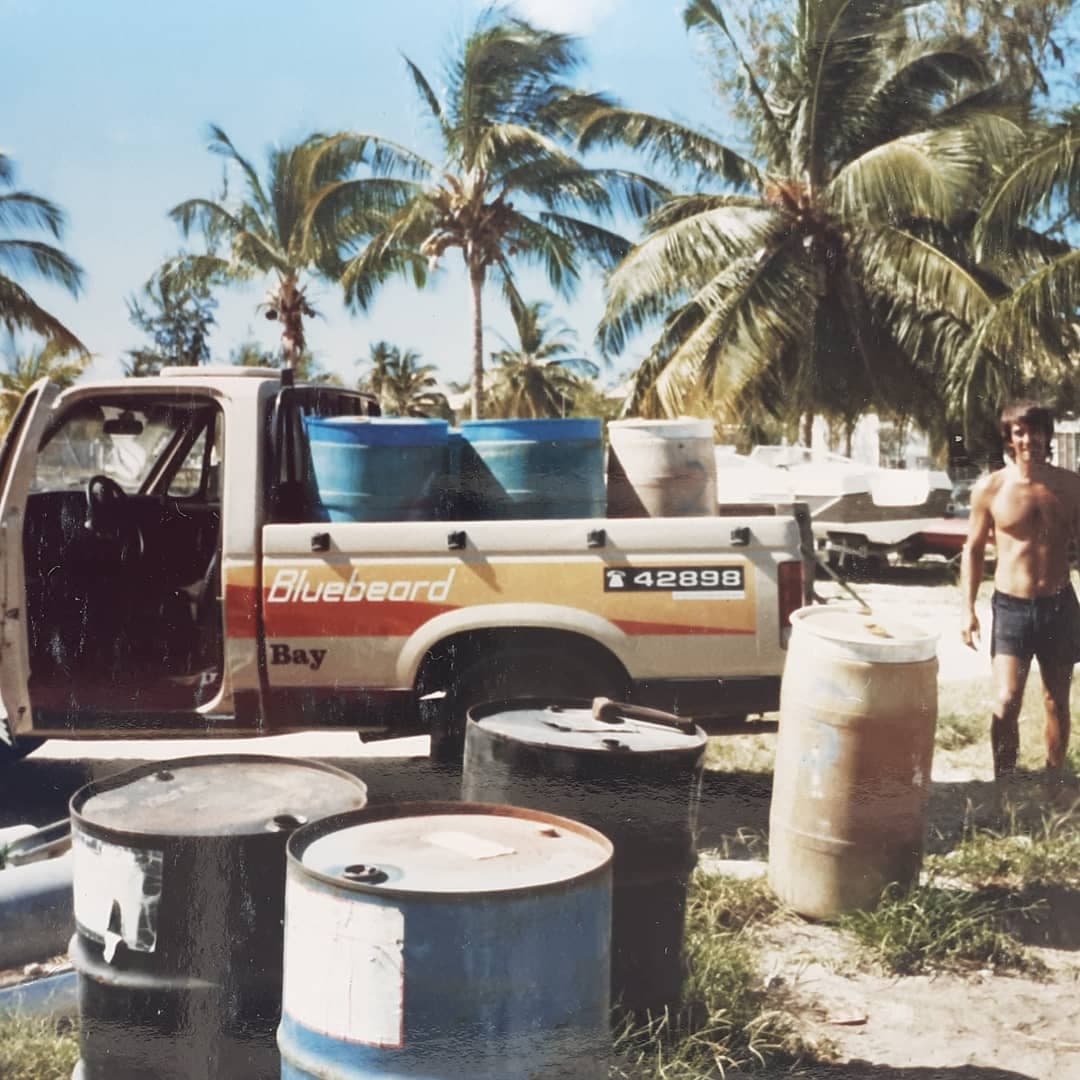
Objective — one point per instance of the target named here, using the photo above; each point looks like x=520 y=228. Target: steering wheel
x=105 y=517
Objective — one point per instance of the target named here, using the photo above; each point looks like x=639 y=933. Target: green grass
x=958 y=730
x=727 y=1018
x=33 y=1049
x=1019 y=856
x=930 y=928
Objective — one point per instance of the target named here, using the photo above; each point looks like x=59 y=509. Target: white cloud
x=566 y=16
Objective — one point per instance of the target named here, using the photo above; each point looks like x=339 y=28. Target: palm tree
x=380 y=358
x=18 y=310
x=507 y=181
x=282 y=228
x=539 y=377
x=815 y=277
x=305 y=367
x=403 y=385
x=53 y=361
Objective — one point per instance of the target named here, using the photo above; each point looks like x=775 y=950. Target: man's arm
x=980 y=523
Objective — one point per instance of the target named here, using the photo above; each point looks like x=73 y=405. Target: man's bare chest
x=1029 y=510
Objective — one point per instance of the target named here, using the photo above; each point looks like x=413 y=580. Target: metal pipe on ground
x=55 y=997
x=36 y=911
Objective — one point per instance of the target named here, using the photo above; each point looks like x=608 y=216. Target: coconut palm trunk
x=290 y=310
x=476 y=283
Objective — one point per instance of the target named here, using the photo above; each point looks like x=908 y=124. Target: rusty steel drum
x=179 y=886
x=858 y=710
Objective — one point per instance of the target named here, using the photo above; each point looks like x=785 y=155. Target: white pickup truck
x=163 y=573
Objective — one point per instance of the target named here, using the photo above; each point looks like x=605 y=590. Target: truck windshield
x=126 y=441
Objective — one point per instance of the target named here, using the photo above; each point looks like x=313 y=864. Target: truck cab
x=120 y=524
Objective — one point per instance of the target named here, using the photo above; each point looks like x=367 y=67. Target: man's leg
x=1010 y=677
x=1057 y=680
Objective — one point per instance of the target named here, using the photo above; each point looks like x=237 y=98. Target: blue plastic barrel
x=447 y=940
x=547 y=468
x=378 y=469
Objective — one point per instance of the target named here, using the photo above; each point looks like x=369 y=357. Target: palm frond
x=506 y=146
x=20 y=313
x=749 y=313
x=1037 y=321
x=506 y=72
x=704 y=16
x=677 y=208
x=1050 y=167
x=44 y=260
x=379 y=260
x=603 y=246
x=923 y=175
x=221 y=144
x=205 y=214
x=676 y=261
x=909 y=98
x=423 y=88
x=895 y=262
x=23 y=209
x=674 y=146
x=185 y=272
x=554 y=247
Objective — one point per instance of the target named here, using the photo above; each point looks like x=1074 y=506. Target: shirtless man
x=1033 y=510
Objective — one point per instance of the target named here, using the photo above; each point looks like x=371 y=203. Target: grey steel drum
x=637 y=782
x=179 y=883
x=447 y=940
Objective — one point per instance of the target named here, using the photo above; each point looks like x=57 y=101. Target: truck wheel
x=507 y=674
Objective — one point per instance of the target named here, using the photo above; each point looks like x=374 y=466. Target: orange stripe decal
x=639 y=629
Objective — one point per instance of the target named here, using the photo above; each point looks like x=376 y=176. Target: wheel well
x=443 y=663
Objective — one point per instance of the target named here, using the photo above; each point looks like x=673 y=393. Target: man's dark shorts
x=1047 y=627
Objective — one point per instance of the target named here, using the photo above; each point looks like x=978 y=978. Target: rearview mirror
x=124 y=424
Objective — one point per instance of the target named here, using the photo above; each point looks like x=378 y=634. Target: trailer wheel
x=509 y=673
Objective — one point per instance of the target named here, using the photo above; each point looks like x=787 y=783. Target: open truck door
x=17 y=459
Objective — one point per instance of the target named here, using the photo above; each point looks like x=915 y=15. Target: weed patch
x=727 y=1018
x=930 y=928
x=959 y=730
x=1018 y=856
x=33 y=1049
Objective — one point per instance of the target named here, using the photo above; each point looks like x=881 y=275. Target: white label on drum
x=468 y=845
x=344 y=970
x=117 y=891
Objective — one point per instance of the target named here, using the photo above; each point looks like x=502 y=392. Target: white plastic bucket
x=661 y=468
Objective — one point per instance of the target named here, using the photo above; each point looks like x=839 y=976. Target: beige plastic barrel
x=661 y=468
x=858 y=710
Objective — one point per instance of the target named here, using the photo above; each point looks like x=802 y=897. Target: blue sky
x=107 y=105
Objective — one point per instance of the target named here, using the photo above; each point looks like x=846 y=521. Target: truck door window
x=127 y=441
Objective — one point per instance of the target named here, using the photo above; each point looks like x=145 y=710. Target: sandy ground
x=977 y=1026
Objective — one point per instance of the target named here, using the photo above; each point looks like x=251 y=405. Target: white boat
x=855 y=509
